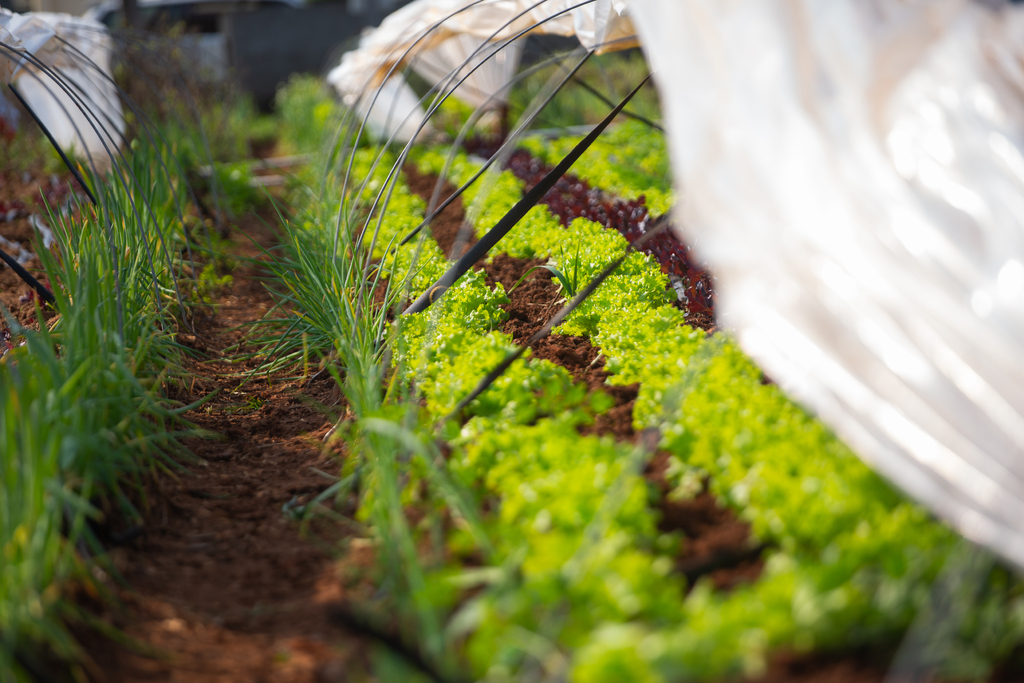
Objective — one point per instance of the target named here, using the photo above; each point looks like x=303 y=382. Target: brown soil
x=16 y=296
x=449 y=227
x=847 y=667
x=532 y=304
x=21 y=197
x=222 y=584
x=223 y=587
x=704 y=321
x=263 y=149
x=717 y=543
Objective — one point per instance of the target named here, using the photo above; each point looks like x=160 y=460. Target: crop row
x=81 y=416
x=577 y=560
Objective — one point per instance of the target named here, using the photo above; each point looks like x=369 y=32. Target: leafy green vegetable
x=577 y=571
x=630 y=160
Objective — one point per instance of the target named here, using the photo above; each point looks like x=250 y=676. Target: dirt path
x=222 y=583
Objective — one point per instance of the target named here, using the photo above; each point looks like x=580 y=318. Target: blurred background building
x=262 y=42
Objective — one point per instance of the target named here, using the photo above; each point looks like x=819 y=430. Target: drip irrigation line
x=625 y=112
x=512 y=218
x=443 y=93
x=599 y=95
x=49 y=136
x=40 y=289
x=489 y=162
x=123 y=171
x=580 y=297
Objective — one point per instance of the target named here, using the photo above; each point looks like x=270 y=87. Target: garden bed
x=743 y=507
x=630 y=500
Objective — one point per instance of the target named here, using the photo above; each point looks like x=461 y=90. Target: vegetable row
x=578 y=577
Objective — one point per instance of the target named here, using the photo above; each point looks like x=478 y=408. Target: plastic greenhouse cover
x=79 y=50
x=484 y=86
x=23 y=33
x=392 y=109
x=436 y=37
x=852 y=172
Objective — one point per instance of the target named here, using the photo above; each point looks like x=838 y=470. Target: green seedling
x=569 y=285
x=251 y=405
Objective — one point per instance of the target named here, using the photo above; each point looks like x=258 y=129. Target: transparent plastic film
x=853 y=174
x=490 y=67
x=476 y=40
x=392 y=109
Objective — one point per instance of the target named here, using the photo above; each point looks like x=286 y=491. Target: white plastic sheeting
x=392 y=110
x=25 y=33
x=604 y=26
x=852 y=170
x=439 y=38
x=79 y=50
x=425 y=24
x=487 y=66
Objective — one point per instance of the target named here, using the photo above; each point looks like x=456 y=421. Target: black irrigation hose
x=511 y=358
x=489 y=162
x=580 y=297
x=439 y=99
x=509 y=220
x=388 y=185
x=64 y=157
x=596 y=93
x=44 y=293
